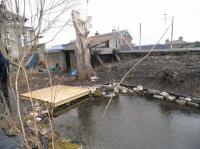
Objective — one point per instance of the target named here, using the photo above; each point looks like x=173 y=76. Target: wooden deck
x=57 y=95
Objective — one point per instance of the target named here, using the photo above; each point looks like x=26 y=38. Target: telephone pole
x=140 y=35
x=172 y=32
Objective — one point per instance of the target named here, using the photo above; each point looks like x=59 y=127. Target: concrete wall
x=125 y=41
x=72 y=59
x=56 y=57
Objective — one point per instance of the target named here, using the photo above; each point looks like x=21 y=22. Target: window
x=24 y=41
x=126 y=34
x=7 y=39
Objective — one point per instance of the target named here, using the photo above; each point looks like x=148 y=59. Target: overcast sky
x=127 y=14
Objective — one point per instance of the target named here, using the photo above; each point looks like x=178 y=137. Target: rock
x=94 y=78
x=135 y=89
x=34 y=113
x=119 y=88
x=38 y=109
x=110 y=85
x=38 y=119
x=140 y=88
x=124 y=90
x=44 y=111
x=188 y=99
x=106 y=88
x=115 y=84
x=181 y=98
x=130 y=91
x=103 y=93
x=92 y=90
x=108 y=95
x=152 y=92
x=116 y=90
x=97 y=93
x=158 y=97
x=171 y=98
x=181 y=102
x=193 y=105
x=29 y=122
x=196 y=100
x=44 y=131
x=164 y=94
x=36 y=104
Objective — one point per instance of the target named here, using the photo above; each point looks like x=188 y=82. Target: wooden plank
x=57 y=95
x=117 y=57
x=100 y=60
x=102 y=51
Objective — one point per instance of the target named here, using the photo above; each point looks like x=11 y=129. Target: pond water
x=131 y=122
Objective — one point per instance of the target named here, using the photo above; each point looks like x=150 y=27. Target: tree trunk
x=83 y=58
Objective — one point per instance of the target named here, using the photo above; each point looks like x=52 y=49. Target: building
x=103 y=47
x=59 y=54
x=16 y=37
x=106 y=43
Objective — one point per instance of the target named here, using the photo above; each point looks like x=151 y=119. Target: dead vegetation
x=168 y=72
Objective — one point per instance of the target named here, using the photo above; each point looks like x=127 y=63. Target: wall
x=73 y=59
x=56 y=57
x=125 y=41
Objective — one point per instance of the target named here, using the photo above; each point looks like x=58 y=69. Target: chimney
x=180 y=38
x=114 y=30
x=167 y=41
x=97 y=33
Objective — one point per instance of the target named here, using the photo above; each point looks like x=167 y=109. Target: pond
x=131 y=122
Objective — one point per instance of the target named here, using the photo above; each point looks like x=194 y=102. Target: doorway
x=68 y=61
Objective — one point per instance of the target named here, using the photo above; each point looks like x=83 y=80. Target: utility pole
x=165 y=18
x=140 y=35
x=172 y=32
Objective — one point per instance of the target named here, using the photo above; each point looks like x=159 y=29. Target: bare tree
x=43 y=15
x=83 y=58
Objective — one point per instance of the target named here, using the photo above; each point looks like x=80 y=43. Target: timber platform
x=56 y=95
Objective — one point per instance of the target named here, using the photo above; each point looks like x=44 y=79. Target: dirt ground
x=180 y=74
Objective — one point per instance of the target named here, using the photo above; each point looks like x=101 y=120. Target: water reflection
x=131 y=122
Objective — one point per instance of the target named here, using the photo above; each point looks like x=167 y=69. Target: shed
x=62 y=56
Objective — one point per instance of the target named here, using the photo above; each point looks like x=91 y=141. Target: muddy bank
x=172 y=73
x=180 y=74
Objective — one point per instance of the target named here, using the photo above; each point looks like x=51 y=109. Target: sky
x=128 y=14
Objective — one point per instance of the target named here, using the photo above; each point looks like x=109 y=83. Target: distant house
x=11 y=23
x=176 y=44
x=106 y=43
x=103 y=45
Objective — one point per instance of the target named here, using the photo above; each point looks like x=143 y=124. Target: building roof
x=93 y=41
x=57 y=48
x=98 y=39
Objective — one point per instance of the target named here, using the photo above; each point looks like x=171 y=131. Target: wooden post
x=117 y=57
x=100 y=60
x=83 y=57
